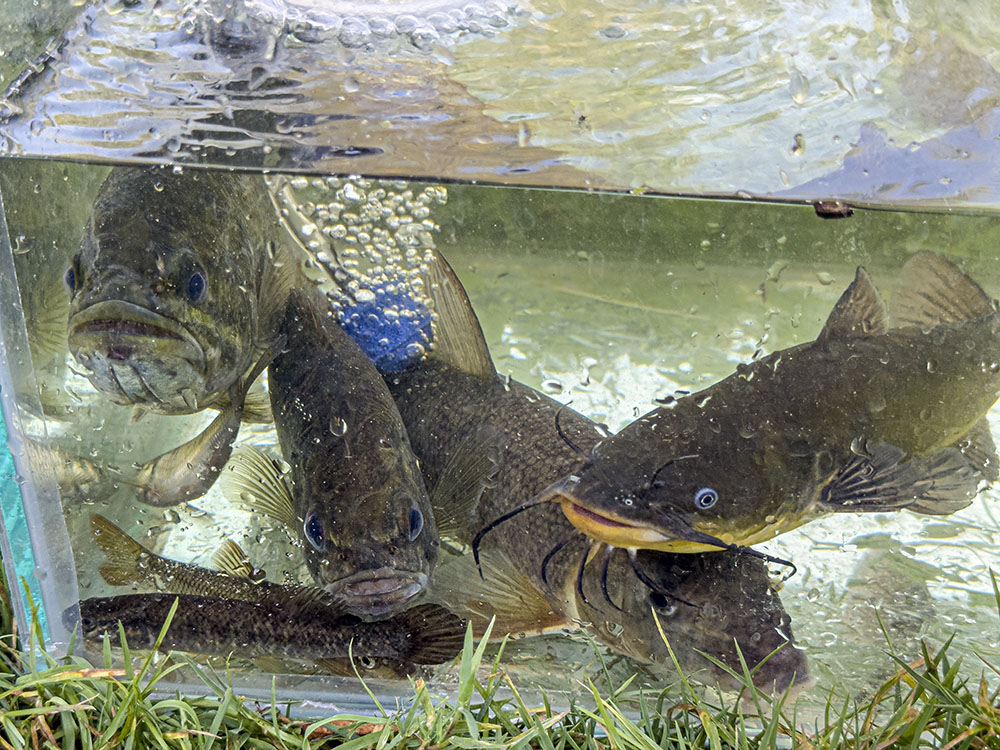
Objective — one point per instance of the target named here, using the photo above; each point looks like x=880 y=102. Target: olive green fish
x=308 y=630
x=177 y=294
x=355 y=496
x=881 y=412
x=487 y=444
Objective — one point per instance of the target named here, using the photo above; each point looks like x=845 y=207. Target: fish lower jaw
x=619 y=534
x=377 y=593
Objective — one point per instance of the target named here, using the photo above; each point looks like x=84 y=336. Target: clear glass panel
x=611 y=305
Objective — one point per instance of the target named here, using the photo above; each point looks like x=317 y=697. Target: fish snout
x=377 y=592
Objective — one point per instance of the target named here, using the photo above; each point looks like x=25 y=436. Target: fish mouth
x=114 y=327
x=377 y=592
x=615 y=531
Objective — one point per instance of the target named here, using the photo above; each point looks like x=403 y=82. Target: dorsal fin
x=860 y=311
x=230 y=558
x=933 y=291
x=458 y=337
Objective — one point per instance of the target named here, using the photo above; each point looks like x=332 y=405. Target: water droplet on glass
x=798 y=145
x=931 y=365
x=824 y=278
x=798 y=86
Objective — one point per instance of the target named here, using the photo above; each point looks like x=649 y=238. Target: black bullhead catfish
x=355 y=496
x=881 y=412
x=307 y=629
x=177 y=294
x=487 y=444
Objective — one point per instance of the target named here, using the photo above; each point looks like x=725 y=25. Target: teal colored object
x=17 y=553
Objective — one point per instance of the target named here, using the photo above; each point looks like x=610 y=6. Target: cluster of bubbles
x=374 y=238
x=422 y=23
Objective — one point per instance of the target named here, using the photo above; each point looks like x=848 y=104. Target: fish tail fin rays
x=123 y=552
x=933 y=291
x=257 y=479
x=458 y=337
x=860 y=311
x=436 y=635
x=878 y=479
x=505 y=593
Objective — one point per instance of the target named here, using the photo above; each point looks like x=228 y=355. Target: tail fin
x=124 y=553
x=436 y=635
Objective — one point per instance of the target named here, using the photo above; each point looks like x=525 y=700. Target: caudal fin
x=436 y=635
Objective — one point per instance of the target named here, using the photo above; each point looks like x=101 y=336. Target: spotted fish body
x=359 y=500
x=175 y=288
x=177 y=294
x=878 y=413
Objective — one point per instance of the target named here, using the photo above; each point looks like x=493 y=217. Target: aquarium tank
x=630 y=336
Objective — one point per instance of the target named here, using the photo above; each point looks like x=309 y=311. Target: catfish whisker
x=608 y=552
x=650 y=583
x=477 y=540
x=579 y=577
x=552 y=553
x=769 y=558
x=576 y=449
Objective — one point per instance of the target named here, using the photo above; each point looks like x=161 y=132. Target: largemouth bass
x=881 y=412
x=307 y=630
x=356 y=497
x=177 y=294
x=487 y=444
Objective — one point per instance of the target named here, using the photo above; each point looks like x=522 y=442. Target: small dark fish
x=871 y=416
x=176 y=297
x=487 y=445
x=306 y=630
x=131 y=564
x=356 y=496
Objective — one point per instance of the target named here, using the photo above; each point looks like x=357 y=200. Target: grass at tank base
x=924 y=704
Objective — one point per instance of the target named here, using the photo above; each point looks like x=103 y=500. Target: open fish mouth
x=377 y=592
x=617 y=533
x=114 y=327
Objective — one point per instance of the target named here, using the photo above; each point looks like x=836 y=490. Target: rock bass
x=881 y=412
x=177 y=294
x=355 y=494
x=486 y=445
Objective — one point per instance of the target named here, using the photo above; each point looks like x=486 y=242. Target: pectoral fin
x=255 y=478
x=880 y=479
x=980 y=450
x=503 y=592
x=468 y=472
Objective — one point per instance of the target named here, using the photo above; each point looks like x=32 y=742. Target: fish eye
x=313 y=530
x=661 y=603
x=705 y=498
x=416 y=523
x=197 y=286
x=69 y=277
